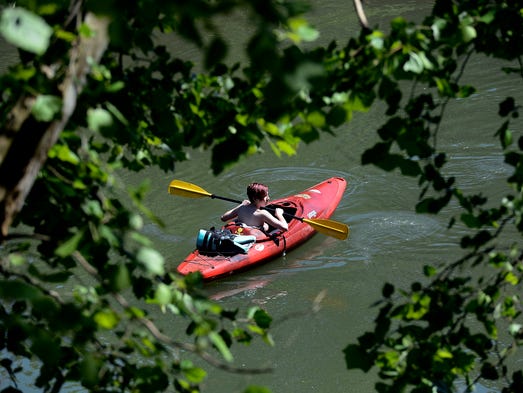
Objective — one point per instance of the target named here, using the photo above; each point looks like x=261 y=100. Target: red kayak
x=251 y=246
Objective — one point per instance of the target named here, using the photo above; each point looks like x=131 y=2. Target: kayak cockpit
x=290 y=209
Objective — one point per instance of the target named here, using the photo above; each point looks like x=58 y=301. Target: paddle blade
x=188 y=190
x=329 y=227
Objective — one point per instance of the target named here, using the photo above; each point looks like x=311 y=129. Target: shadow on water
x=246 y=284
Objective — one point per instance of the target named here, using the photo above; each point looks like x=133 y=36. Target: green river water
x=388 y=241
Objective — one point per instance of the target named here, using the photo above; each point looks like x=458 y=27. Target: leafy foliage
x=138 y=107
x=464 y=321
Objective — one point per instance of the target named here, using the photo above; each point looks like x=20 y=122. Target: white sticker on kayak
x=315 y=190
x=259 y=247
x=304 y=196
x=312 y=214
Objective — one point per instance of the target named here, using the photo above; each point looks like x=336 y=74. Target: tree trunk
x=25 y=143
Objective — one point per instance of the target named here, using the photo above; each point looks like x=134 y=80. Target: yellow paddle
x=322 y=225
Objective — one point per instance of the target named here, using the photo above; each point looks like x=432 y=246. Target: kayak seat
x=289 y=210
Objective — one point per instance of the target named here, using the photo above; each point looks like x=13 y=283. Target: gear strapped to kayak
x=223 y=242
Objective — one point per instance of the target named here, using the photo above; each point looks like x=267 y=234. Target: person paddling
x=252 y=213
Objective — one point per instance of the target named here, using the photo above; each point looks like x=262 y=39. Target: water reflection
x=246 y=285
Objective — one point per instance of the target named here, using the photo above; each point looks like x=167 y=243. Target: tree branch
x=158 y=335
x=361 y=14
x=26 y=142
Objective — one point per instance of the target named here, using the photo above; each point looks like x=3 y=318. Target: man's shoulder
x=263 y=212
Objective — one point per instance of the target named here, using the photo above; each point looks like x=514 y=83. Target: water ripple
x=473 y=171
x=382 y=232
x=281 y=180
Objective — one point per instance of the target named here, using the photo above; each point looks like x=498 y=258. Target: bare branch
x=361 y=14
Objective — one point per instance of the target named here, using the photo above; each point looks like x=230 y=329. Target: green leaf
x=152 y=260
x=262 y=319
x=194 y=374
x=23 y=73
x=316 y=119
x=25 y=30
x=107 y=233
x=337 y=116
x=283 y=146
x=417 y=63
x=65 y=35
x=46 y=108
x=99 y=118
x=515 y=329
x=116 y=113
x=511 y=278
x=308 y=33
x=409 y=167
x=135 y=312
x=429 y=271
x=46 y=348
x=12 y=290
x=70 y=245
x=63 y=153
x=114 y=87
x=443 y=353
x=376 y=40
x=241 y=335
x=302 y=31
x=506 y=139
x=242 y=119
x=479 y=343
x=468 y=33
x=222 y=347
x=119 y=278
x=93 y=208
x=437 y=27
x=17 y=259
x=358 y=103
x=162 y=295
x=85 y=31
x=90 y=370
x=106 y=318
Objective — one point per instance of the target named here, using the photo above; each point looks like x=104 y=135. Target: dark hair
x=257 y=191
